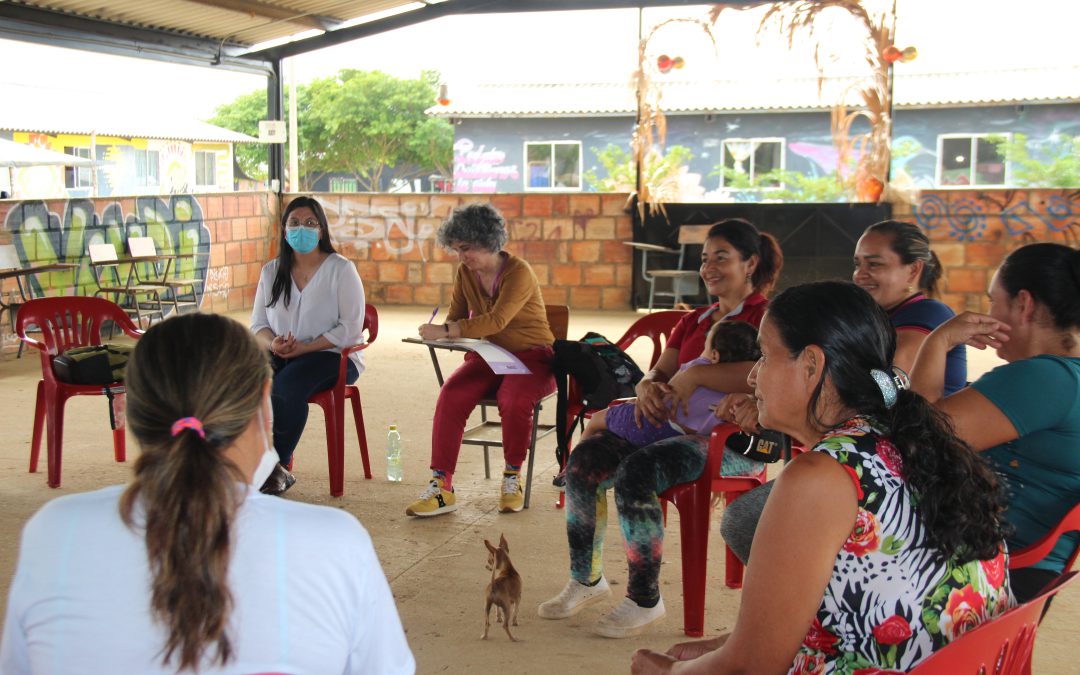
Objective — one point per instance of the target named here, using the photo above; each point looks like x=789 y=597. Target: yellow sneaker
x=511 y=500
x=433 y=501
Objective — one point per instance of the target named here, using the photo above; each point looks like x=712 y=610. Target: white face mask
x=269 y=457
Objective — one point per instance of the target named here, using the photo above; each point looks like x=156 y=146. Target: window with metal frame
x=966 y=160
x=205 y=168
x=77 y=176
x=752 y=158
x=146 y=168
x=553 y=165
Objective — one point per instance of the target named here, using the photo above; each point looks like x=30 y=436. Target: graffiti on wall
x=398 y=229
x=478 y=170
x=971 y=217
x=40 y=236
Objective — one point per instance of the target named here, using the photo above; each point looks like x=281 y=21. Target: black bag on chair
x=603 y=373
x=95 y=364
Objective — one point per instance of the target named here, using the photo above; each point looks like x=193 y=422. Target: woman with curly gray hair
x=497 y=297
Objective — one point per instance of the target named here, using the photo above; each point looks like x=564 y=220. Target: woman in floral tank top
x=883 y=544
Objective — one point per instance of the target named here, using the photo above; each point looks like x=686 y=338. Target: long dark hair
x=749 y=241
x=208 y=367
x=1051 y=273
x=910 y=243
x=959 y=498
x=282 y=281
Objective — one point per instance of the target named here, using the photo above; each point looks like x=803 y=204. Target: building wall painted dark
x=490 y=153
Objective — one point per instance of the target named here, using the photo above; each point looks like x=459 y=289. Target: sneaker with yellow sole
x=511 y=500
x=434 y=501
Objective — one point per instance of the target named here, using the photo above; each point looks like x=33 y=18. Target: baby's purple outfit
x=700 y=420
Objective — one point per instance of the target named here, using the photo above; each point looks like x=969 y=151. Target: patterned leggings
x=638 y=475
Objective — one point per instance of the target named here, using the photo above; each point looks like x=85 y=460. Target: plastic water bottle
x=393 y=455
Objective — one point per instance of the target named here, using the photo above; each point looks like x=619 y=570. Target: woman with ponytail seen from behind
x=886 y=540
x=189 y=568
x=1026 y=413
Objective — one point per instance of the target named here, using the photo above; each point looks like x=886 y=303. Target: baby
x=727 y=342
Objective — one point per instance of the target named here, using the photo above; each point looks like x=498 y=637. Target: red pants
x=516 y=395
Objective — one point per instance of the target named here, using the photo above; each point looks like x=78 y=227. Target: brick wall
x=233 y=228
x=573 y=242
x=973 y=230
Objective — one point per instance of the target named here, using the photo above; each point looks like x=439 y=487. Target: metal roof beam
x=59 y=29
x=451 y=7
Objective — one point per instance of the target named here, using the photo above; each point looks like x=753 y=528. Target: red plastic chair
x=1026 y=557
x=693 y=502
x=332 y=401
x=656 y=326
x=1002 y=646
x=66 y=322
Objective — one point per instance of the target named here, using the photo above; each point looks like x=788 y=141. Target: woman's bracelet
x=446 y=327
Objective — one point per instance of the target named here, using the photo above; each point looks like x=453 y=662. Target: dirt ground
x=435 y=566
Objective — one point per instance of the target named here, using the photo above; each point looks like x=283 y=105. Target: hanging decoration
x=444 y=95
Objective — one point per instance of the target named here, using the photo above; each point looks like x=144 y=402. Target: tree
x=1059 y=168
x=662 y=174
x=362 y=123
x=366 y=122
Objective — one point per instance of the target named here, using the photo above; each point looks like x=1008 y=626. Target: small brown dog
x=504 y=591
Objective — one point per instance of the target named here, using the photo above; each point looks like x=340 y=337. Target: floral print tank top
x=893 y=599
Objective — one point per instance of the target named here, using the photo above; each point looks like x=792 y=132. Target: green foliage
x=1056 y=166
x=786 y=186
x=618 y=162
x=243 y=115
x=365 y=122
x=362 y=123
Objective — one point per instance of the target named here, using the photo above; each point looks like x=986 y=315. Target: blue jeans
x=295 y=381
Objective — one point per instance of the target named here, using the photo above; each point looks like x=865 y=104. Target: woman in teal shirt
x=1025 y=414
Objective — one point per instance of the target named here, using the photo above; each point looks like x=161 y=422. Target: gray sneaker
x=573 y=598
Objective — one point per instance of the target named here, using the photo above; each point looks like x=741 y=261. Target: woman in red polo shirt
x=739 y=265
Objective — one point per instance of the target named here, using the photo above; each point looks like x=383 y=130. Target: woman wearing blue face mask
x=308 y=306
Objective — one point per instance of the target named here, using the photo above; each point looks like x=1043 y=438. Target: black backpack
x=93 y=364
x=603 y=373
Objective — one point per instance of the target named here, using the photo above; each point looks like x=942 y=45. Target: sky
x=583 y=46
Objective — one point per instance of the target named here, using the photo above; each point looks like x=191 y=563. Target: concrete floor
x=435 y=566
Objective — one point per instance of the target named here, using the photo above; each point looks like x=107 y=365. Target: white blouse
x=331 y=305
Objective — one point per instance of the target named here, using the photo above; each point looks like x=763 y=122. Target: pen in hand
x=433 y=313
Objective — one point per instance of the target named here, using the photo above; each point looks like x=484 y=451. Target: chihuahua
x=504 y=591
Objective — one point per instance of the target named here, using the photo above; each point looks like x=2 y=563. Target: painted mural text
x=478 y=170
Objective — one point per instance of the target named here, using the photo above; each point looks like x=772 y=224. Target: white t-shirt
x=313 y=311
x=309 y=594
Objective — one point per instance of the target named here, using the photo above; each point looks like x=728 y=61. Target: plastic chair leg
x=361 y=430
x=333 y=442
x=733 y=567
x=119 y=439
x=694 y=515
x=39 y=424
x=54 y=427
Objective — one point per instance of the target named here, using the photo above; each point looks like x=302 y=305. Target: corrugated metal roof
x=56 y=112
x=236 y=22
x=1054 y=84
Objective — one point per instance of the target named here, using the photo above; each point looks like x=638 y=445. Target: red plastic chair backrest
x=67 y=322
x=371 y=322
x=1001 y=646
x=656 y=326
x=1026 y=557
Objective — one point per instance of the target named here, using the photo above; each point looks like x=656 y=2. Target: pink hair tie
x=192 y=423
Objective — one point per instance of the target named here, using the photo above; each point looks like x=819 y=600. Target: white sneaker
x=628 y=619
x=573 y=598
